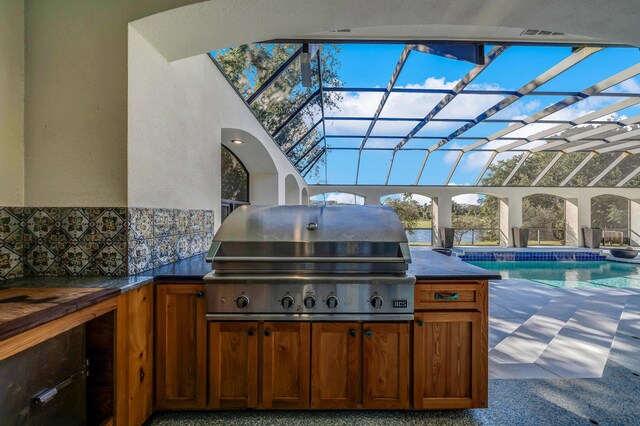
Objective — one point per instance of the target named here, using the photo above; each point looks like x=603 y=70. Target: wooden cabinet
x=386 y=365
x=450 y=345
x=286 y=353
x=181 y=347
x=335 y=365
x=446 y=356
x=134 y=357
x=233 y=365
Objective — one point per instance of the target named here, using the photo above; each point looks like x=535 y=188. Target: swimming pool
x=589 y=274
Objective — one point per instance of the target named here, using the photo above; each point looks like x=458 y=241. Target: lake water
x=424 y=236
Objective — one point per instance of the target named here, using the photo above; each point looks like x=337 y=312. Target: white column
x=572 y=229
x=510 y=216
x=634 y=222
x=372 y=200
x=584 y=217
x=441 y=217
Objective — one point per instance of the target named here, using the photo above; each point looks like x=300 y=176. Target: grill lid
x=311 y=239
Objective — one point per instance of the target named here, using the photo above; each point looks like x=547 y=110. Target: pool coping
x=550 y=253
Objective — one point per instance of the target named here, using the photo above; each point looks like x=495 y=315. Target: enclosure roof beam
x=516 y=168
x=473 y=91
x=394 y=77
x=617 y=146
x=486 y=166
x=553 y=161
x=575 y=122
x=573 y=59
x=459 y=87
x=311 y=163
x=296 y=112
x=608 y=168
x=577 y=169
x=424 y=162
x=307 y=133
x=264 y=86
x=630 y=176
x=453 y=169
x=589 y=91
x=308 y=150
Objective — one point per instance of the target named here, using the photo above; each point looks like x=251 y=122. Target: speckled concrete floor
x=613 y=399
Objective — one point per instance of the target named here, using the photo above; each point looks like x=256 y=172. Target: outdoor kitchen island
x=438 y=360
x=323 y=308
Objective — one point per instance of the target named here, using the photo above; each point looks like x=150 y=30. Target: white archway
x=304 y=197
x=291 y=191
x=263 y=173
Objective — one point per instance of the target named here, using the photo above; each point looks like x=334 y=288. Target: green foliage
x=248 y=66
x=609 y=211
x=235 y=179
x=409 y=211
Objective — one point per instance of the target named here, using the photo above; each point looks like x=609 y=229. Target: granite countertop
x=429 y=265
x=29 y=301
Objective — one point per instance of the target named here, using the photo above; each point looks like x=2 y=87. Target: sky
x=365 y=66
x=371 y=66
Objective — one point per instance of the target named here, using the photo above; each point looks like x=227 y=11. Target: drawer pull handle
x=420 y=323
x=353 y=333
x=368 y=333
x=267 y=332
x=251 y=332
x=452 y=296
x=199 y=294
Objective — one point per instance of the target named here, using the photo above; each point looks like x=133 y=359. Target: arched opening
x=304 y=197
x=291 y=191
x=612 y=214
x=258 y=162
x=234 y=183
x=476 y=219
x=415 y=212
x=545 y=217
x=336 y=199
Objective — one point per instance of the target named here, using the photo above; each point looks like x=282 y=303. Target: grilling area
x=363 y=212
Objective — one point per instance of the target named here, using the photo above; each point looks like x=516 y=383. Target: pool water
x=592 y=274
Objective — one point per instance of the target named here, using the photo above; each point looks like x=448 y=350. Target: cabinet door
x=335 y=365
x=134 y=356
x=447 y=360
x=181 y=348
x=233 y=364
x=285 y=364
x=385 y=365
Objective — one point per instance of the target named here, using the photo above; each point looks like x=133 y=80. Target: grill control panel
x=316 y=298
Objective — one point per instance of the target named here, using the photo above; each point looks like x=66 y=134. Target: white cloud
x=341 y=197
x=467 y=199
x=421 y=199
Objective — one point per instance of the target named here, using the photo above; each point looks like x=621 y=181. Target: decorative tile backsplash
x=112 y=241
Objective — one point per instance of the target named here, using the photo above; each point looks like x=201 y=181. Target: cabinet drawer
x=450 y=295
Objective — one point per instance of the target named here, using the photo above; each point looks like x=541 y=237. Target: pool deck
x=537 y=331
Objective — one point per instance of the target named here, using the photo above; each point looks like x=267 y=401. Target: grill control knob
x=332 y=301
x=309 y=302
x=376 y=302
x=287 y=302
x=242 y=302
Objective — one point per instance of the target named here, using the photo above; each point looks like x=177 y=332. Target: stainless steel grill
x=310 y=263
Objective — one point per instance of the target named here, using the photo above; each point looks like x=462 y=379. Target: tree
x=409 y=210
x=249 y=66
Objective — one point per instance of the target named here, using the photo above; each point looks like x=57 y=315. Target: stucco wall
x=11 y=102
x=177 y=113
x=76 y=99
